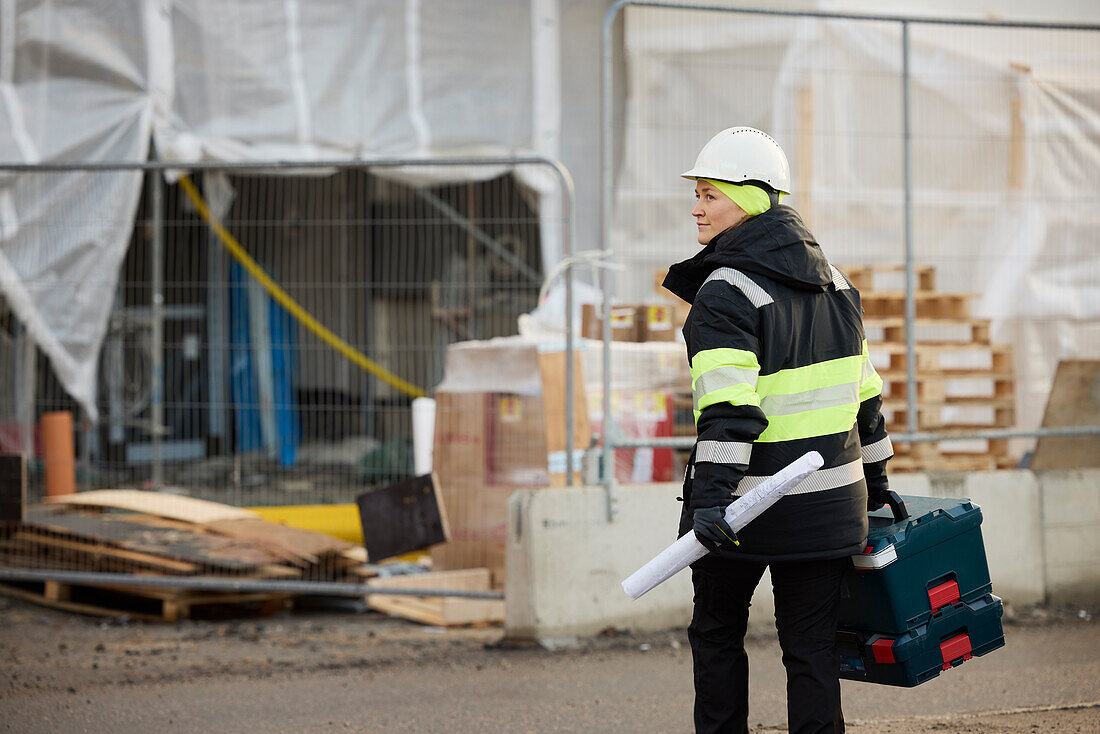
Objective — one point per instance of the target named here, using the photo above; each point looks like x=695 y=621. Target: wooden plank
x=1074 y=401
x=403 y=517
x=408 y=607
x=98 y=550
x=69 y=606
x=465 y=579
x=176 y=507
x=294 y=542
x=447 y=612
x=127 y=532
x=115 y=600
x=806 y=153
x=13 y=487
x=440 y=611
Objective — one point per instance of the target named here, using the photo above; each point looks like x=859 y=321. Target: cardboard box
x=625 y=323
x=500 y=425
x=633 y=323
x=657 y=323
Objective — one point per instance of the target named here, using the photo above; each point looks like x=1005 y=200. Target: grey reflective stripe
x=819 y=481
x=756 y=295
x=720 y=377
x=723 y=452
x=878 y=451
x=867 y=371
x=822 y=397
x=838 y=279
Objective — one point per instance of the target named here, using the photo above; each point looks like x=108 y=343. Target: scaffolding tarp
x=244 y=81
x=1005 y=142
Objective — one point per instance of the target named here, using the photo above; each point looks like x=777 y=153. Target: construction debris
x=132 y=532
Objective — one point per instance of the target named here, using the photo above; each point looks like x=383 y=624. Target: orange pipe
x=59 y=454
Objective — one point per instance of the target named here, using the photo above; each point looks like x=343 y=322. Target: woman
x=779 y=367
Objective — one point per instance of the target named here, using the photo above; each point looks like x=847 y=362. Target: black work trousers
x=806 y=595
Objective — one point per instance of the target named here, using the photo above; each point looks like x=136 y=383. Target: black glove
x=876 y=498
x=712 y=530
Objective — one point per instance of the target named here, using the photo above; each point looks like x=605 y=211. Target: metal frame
x=914 y=435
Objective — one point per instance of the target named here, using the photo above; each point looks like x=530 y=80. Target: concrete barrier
x=1071 y=535
x=565 y=559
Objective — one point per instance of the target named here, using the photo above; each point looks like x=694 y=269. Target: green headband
x=753 y=200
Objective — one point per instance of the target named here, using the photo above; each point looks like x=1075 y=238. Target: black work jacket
x=765 y=293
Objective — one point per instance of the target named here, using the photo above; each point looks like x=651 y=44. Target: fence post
x=910 y=268
x=157 y=326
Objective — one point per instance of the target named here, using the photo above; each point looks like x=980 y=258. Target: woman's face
x=714 y=212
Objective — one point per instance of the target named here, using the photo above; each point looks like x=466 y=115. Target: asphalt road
x=366 y=673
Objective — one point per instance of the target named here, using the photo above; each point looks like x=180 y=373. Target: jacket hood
x=775 y=244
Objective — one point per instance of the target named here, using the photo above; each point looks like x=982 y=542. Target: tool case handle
x=897 y=506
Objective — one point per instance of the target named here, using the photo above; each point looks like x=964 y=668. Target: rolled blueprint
x=748 y=507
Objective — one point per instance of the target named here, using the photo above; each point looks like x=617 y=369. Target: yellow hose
x=284 y=299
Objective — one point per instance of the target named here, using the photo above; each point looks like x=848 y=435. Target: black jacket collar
x=775 y=244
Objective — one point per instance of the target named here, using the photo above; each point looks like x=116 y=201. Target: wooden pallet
x=439 y=611
x=148 y=604
x=930 y=304
x=870 y=278
x=892 y=329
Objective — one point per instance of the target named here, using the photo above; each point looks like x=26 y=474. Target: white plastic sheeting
x=1006 y=157
x=71 y=82
x=252 y=80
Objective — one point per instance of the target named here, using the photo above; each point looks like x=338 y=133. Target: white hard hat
x=740 y=154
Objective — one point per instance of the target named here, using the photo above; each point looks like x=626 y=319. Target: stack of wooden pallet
x=147 y=533
x=964 y=381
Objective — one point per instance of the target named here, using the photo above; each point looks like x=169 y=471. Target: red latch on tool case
x=944 y=594
x=883 y=650
x=955 y=648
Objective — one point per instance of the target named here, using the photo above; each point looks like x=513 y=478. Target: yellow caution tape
x=283 y=298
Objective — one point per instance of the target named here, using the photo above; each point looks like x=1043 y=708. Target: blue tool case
x=922 y=554
x=918 y=599
x=951 y=636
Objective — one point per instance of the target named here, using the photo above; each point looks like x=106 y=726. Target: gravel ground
x=320 y=671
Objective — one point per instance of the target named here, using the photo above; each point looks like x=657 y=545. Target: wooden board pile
x=147 y=533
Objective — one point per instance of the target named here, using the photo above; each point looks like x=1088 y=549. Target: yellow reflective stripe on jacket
x=832 y=386
x=724 y=375
x=709 y=359
x=812 y=423
x=870 y=384
x=811 y=377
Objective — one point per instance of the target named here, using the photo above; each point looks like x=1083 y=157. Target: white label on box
x=555 y=461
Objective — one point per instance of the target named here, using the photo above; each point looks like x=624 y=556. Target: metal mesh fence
x=964 y=154
x=267 y=334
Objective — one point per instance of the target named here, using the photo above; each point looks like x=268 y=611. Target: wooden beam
x=805 y=154
x=1017 y=141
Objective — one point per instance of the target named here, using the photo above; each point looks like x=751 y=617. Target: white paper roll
x=688 y=549
x=423 y=430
